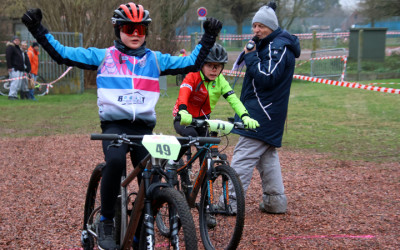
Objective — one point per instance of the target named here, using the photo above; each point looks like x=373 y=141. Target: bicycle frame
x=150 y=166
x=206 y=164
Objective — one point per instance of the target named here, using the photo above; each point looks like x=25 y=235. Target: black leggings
x=115 y=158
x=188 y=131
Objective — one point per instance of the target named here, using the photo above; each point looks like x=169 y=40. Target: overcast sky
x=348 y=3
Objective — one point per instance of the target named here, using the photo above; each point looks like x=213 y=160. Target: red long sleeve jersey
x=200 y=96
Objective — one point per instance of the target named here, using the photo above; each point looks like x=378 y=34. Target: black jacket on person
x=15 y=59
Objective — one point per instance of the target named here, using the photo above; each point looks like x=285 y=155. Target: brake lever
x=240 y=125
x=116 y=143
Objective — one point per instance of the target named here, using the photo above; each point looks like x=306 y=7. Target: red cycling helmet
x=131 y=13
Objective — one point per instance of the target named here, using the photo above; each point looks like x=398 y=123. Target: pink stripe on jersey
x=147 y=85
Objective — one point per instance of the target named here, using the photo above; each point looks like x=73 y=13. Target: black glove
x=212 y=26
x=32 y=19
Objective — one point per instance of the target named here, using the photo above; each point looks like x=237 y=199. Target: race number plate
x=222 y=127
x=162 y=146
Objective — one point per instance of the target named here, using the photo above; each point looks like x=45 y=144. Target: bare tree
x=240 y=10
x=287 y=10
x=376 y=10
x=165 y=16
x=92 y=18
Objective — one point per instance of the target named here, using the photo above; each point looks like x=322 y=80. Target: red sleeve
x=186 y=88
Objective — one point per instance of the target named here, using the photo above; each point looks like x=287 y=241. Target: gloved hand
x=249 y=122
x=32 y=19
x=186 y=118
x=212 y=26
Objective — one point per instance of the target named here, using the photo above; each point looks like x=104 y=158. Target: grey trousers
x=250 y=153
x=17 y=85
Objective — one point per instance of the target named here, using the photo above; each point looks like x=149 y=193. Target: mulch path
x=332 y=204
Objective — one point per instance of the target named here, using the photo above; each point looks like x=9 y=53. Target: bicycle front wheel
x=172 y=202
x=221 y=219
x=39 y=89
x=4 y=86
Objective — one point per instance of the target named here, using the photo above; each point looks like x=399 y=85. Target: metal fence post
x=359 y=57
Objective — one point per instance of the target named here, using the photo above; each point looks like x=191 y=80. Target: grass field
x=351 y=124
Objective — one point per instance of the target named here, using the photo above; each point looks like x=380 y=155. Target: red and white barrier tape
x=377 y=83
x=347 y=84
x=12 y=79
x=227 y=72
x=48 y=85
x=330 y=82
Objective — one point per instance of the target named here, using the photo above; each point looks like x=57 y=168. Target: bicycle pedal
x=223 y=157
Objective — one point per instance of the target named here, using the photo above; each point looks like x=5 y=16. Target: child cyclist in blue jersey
x=127 y=88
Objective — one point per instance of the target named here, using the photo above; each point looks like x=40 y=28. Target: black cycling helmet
x=217 y=54
x=131 y=13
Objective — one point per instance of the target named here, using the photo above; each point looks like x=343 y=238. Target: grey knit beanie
x=266 y=16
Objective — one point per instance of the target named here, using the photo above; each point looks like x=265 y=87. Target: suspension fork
x=148 y=218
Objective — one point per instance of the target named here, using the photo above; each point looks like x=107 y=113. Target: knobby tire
x=170 y=197
x=213 y=237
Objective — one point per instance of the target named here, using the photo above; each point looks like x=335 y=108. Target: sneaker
x=211 y=221
x=232 y=210
x=264 y=210
x=106 y=235
x=13 y=98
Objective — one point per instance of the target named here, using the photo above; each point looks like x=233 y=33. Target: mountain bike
x=221 y=219
x=142 y=200
x=40 y=89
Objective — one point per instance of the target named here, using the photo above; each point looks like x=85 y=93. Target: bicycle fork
x=148 y=212
x=148 y=219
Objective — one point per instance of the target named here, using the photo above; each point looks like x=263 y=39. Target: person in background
x=24 y=91
x=15 y=66
x=127 y=89
x=33 y=54
x=182 y=52
x=265 y=94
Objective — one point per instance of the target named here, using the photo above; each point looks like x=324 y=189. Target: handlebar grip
x=104 y=136
x=212 y=140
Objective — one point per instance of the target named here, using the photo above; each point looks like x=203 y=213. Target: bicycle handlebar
x=198 y=123
x=115 y=137
x=211 y=140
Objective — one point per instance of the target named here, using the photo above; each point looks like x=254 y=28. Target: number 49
x=163 y=149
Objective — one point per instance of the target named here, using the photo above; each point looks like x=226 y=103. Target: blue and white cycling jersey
x=128 y=87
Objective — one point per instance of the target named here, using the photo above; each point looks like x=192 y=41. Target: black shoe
x=106 y=235
x=221 y=207
x=12 y=98
x=211 y=221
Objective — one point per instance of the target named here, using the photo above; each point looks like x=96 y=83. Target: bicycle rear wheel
x=221 y=227
x=178 y=211
x=39 y=89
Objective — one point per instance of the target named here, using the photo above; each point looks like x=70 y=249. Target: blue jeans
x=32 y=91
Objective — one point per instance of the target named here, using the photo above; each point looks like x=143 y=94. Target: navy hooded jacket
x=266 y=86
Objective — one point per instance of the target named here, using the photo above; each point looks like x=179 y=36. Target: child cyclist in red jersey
x=200 y=92
x=127 y=88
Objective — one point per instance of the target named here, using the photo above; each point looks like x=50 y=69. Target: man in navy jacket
x=265 y=94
